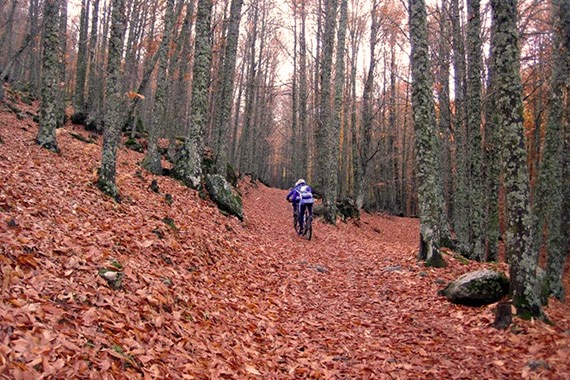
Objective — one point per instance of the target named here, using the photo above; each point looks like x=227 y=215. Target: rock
x=347 y=209
x=477 y=288
x=224 y=196
x=535 y=364
x=154 y=186
x=321 y=269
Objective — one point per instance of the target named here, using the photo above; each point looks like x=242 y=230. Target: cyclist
x=302 y=198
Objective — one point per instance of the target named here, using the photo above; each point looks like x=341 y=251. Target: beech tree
x=474 y=138
x=152 y=160
x=325 y=135
x=114 y=103
x=50 y=79
x=188 y=162
x=223 y=115
x=550 y=204
x=429 y=189
x=523 y=258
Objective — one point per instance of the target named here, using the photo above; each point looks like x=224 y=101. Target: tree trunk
x=114 y=103
x=460 y=206
x=224 y=109
x=523 y=259
x=492 y=161
x=96 y=92
x=188 y=163
x=324 y=135
x=475 y=153
x=365 y=138
x=152 y=160
x=49 y=90
x=81 y=66
x=549 y=201
x=430 y=199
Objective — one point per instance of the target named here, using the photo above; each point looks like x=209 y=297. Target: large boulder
x=223 y=195
x=477 y=288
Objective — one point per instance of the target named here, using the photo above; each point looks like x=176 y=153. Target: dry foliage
x=207 y=297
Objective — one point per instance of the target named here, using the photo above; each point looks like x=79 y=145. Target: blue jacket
x=301 y=193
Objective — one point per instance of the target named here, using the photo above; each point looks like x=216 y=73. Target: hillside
x=205 y=296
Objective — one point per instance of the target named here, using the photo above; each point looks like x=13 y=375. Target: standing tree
x=365 y=150
x=492 y=162
x=114 y=103
x=460 y=200
x=225 y=93
x=50 y=78
x=188 y=162
x=549 y=200
x=81 y=67
x=152 y=161
x=474 y=140
x=429 y=189
x=522 y=256
x=325 y=146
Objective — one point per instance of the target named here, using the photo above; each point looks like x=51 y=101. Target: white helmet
x=299 y=182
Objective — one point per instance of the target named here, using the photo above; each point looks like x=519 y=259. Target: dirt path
x=354 y=302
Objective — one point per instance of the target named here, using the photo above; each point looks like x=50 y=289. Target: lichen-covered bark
x=49 y=90
x=523 y=259
x=95 y=92
x=81 y=68
x=225 y=96
x=187 y=167
x=114 y=103
x=549 y=197
x=460 y=206
x=152 y=161
x=444 y=122
x=325 y=133
x=430 y=199
x=475 y=157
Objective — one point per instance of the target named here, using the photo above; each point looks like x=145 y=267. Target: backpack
x=305 y=194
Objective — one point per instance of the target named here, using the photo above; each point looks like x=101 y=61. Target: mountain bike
x=307 y=224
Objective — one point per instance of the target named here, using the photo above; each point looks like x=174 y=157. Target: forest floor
x=194 y=294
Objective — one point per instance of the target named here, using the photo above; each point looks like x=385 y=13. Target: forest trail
x=204 y=296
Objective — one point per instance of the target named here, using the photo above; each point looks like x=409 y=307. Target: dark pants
x=307 y=206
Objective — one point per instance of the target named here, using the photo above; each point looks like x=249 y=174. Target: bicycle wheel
x=309 y=226
x=296 y=223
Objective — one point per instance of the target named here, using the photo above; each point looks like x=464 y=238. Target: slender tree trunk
x=152 y=160
x=49 y=90
x=224 y=109
x=339 y=80
x=475 y=155
x=114 y=103
x=95 y=93
x=460 y=199
x=324 y=135
x=430 y=199
x=549 y=200
x=492 y=161
x=188 y=162
x=303 y=95
x=444 y=122
x=62 y=93
x=367 y=119
x=81 y=66
x=523 y=259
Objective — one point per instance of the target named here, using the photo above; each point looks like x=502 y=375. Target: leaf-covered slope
x=206 y=296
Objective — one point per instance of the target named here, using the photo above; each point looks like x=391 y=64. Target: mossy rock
x=224 y=196
x=347 y=209
x=477 y=288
